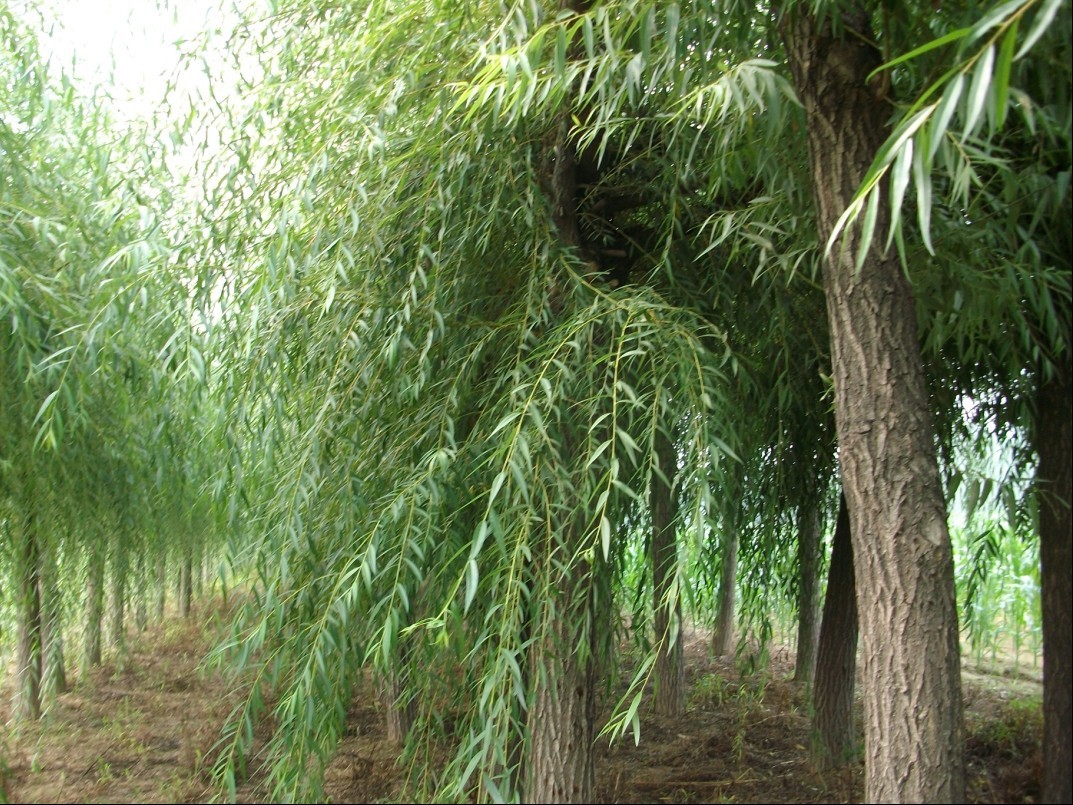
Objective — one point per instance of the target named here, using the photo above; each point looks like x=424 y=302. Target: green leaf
x=947 y=106
x=869 y=226
x=1001 y=91
x=898 y=183
x=497 y=484
x=994 y=17
x=472 y=576
x=953 y=36
x=981 y=85
x=1039 y=27
x=922 y=178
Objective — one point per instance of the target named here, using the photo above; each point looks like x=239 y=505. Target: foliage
x=336 y=322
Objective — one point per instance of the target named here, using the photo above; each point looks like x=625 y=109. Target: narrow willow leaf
x=981 y=85
x=1039 y=26
x=898 y=183
x=605 y=536
x=1001 y=92
x=922 y=178
x=946 y=39
x=497 y=484
x=560 y=52
x=876 y=171
x=868 y=228
x=471 y=583
x=995 y=17
x=505 y=421
x=634 y=719
x=947 y=106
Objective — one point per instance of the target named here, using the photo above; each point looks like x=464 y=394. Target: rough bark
x=1054 y=445
x=560 y=765
x=399 y=708
x=834 y=738
x=723 y=640
x=28 y=656
x=808 y=593
x=667 y=605
x=910 y=676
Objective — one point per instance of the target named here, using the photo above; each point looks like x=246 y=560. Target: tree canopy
x=417 y=338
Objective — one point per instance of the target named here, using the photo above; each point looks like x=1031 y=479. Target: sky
x=127 y=48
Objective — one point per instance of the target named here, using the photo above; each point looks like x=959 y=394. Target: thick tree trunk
x=808 y=594
x=28 y=656
x=723 y=640
x=911 y=676
x=91 y=655
x=667 y=604
x=399 y=708
x=834 y=739
x=1054 y=444
x=560 y=766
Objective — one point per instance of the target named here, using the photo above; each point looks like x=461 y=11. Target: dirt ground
x=142 y=732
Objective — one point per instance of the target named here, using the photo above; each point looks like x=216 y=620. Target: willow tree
x=984 y=140
x=452 y=408
x=88 y=300
x=443 y=383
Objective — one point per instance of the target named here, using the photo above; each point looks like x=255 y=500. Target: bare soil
x=143 y=731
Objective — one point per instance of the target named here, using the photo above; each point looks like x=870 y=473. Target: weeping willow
x=445 y=379
x=449 y=403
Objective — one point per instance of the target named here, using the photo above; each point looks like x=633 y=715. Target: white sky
x=126 y=48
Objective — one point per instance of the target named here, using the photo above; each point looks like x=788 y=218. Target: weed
x=1014 y=730
x=104 y=771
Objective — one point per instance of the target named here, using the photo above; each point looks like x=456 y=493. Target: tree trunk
x=560 y=764
x=119 y=598
x=141 y=612
x=161 y=586
x=400 y=708
x=560 y=767
x=723 y=641
x=834 y=739
x=94 y=604
x=1054 y=444
x=808 y=597
x=54 y=678
x=186 y=584
x=28 y=656
x=667 y=605
x=198 y=588
x=399 y=712
x=911 y=676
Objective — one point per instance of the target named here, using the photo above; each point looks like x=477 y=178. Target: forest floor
x=144 y=731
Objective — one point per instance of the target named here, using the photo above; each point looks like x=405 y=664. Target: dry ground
x=142 y=732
